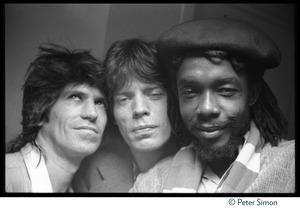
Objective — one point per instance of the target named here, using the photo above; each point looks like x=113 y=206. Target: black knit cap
x=227 y=34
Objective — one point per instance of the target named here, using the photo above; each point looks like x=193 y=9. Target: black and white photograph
x=162 y=100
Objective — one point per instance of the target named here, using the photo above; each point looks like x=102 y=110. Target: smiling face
x=140 y=111
x=76 y=121
x=214 y=106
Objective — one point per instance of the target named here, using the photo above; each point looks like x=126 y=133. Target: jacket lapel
x=113 y=175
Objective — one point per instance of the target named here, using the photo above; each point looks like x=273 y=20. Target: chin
x=148 y=147
x=218 y=150
x=89 y=149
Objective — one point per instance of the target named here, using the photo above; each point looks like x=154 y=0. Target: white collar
x=210 y=174
x=37 y=170
x=209 y=181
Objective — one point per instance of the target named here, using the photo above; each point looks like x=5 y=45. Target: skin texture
x=76 y=122
x=214 y=104
x=140 y=111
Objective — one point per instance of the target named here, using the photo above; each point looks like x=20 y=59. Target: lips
x=144 y=128
x=210 y=128
x=210 y=131
x=91 y=128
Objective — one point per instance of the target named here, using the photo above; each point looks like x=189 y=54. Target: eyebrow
x=230 y=80
x=148 y=88
x=81 y=93
x=190 y=80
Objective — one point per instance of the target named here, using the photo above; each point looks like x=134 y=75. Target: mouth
x=144 y=129
x=89 y=128
x=210 y=131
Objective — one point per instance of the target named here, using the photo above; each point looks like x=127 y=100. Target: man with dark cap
x=232 y=118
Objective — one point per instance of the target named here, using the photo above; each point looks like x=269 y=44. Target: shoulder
x=109 y=155
x=111 y=162
x=13 y=160
x=283 y=151
x=16 y=176
x=112 y=151
x=277 y=172
x=153 y=180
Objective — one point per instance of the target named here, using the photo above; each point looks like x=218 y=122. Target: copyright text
x=252 y=202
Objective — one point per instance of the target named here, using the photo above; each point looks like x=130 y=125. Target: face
x=214 y=106
x=76 y=121
x=140 y=111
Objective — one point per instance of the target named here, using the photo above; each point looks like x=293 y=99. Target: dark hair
x=46 y=77
x=136 y=57
x=265 y=111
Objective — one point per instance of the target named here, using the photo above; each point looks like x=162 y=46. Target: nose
x=89 y=111
x=208 y=105
x=140 y=107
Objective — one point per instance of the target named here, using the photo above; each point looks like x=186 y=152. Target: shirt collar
x=36 y=168
x=210 y=179
x=211 y=175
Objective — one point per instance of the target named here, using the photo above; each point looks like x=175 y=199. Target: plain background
x=96 y=26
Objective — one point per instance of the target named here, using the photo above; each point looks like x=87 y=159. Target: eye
x=101 y=102
x=121 y=99
x=75 y=97
x=227 y=92
x=156 y=95
x=188 y=92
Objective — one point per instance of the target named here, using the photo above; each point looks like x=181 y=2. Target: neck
x=146 y=160
x=220 y=166
x=61 y=168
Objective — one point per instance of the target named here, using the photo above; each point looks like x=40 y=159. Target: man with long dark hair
x=64 y=117
x=142 y=106
x=231 y=115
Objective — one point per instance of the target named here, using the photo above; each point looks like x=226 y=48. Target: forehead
x=136 y=83
x=201 y=68
x=83 y=88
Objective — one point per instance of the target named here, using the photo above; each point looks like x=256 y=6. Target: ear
x=43 y=120
x=255 y=90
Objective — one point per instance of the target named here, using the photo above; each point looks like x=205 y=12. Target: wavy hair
x=54 y=68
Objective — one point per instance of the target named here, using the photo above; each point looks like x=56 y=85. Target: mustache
x=219 y=123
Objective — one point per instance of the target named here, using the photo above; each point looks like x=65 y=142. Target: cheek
x=187 y=109
x=166 y=121
x=102 y=119
x=163 y=106
x=161 y=111
x=57 y=125
x=122 y=118
x=58 y=118
x=235 y=108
